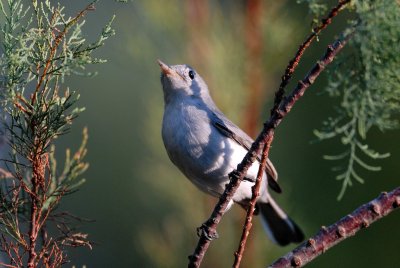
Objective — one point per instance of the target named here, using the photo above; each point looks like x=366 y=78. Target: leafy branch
x=370 y=92
x=41 y=46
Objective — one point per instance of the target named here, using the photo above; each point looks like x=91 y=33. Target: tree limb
x=278 y=99
x=285 y=79
x=207 y=231
x=346 y=227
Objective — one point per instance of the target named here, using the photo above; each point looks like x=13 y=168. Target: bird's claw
x=206 y=231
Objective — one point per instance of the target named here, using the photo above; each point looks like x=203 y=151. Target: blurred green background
x=145 y=211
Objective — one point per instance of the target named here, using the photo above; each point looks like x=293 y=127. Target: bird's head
x=181 y=81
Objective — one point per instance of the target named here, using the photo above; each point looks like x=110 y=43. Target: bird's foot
x=209 y=233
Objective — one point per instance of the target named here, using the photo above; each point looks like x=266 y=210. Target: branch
x=37 y=159
x=5 y=174
x=250 y=211
x=346 y=227
x=2 y=264
x=207 y=231
x=295 y=61
x=278 y=99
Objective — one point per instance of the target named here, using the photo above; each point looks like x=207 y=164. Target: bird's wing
x=230 y=130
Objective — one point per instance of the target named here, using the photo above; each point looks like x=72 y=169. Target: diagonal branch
x=278 y=99
x=346 y=227
x=285 y=79
x=207 y=231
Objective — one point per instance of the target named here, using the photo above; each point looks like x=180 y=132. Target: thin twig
x=256 y=189
x=285 y=79
x=5 y=174
x=278 y=99
x=207 y=231
x=250 y=211
x=2 y=264
x=346 y=227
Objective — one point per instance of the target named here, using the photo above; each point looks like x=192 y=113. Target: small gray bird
x=206 y=146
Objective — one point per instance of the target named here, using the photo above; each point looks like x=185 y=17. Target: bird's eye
x=191 y=74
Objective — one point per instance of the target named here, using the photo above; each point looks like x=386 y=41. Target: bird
x=206 y=146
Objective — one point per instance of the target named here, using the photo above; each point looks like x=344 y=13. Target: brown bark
x=346 y=227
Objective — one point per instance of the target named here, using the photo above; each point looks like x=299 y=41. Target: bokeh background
x=145 y=211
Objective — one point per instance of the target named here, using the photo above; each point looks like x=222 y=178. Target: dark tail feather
x=279 y=227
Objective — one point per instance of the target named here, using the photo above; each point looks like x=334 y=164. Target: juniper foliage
x=366 y=79
x=40 y=46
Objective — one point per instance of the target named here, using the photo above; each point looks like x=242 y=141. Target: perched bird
x=206 y=146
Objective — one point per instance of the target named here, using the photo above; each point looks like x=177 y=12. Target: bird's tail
x=279 y=227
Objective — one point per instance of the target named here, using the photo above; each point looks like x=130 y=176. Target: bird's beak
x=165 y=69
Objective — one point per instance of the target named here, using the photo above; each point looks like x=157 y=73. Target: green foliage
x=70 y=177
x=316 y=7
x=367 y=79
x=41 y=46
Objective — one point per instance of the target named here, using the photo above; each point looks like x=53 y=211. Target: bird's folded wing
x=232 y=131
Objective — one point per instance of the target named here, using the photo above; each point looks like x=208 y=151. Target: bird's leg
x=209 y=233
